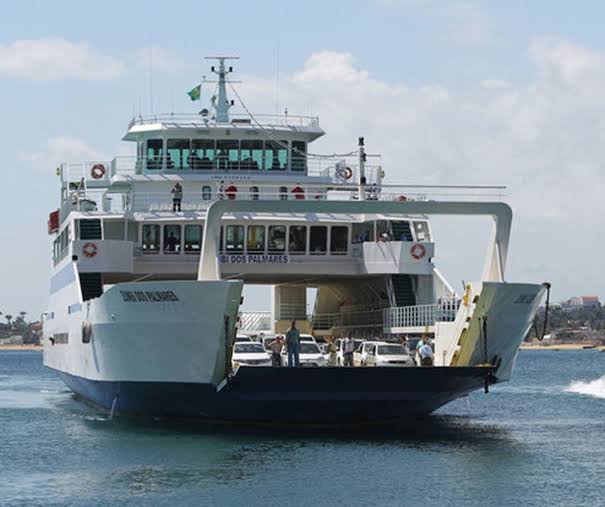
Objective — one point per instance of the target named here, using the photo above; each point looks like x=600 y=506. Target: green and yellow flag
x=195 y=93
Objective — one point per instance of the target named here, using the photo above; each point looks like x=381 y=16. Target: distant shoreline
x=21 y=347
x=561 y=346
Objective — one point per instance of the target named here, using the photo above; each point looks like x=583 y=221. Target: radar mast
x=222 y=103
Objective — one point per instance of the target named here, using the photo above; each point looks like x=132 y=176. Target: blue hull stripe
x=63 y=278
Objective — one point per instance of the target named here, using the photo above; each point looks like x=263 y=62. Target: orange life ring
x=348 y=173
x=298 y=192
x=231 y=192
x=89 y=250
x=98 y=171
x=418 y=251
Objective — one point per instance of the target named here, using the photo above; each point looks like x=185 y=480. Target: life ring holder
x=298 y=193
x=231 y=192
x=417 y=251
x=89 y=250
x=98 y=171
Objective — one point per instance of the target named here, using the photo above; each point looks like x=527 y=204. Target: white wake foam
x=595 y=388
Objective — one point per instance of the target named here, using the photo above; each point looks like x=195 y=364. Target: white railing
x=236 y=120
x=255 y=321
x=420 y=315
x=333 y=169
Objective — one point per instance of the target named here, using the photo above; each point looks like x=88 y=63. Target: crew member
x=293 y=344
x=332 y=353
x=177 y=196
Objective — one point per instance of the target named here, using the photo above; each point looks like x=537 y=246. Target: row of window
x=61 y=246
x=223 y=155
x=224 y=192
x=253 y=239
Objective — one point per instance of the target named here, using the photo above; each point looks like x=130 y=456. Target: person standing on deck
x=426 y=354
x=177 y=196
x=420 y=343
x=293 y=344
x=276 y=347
x=332 y=353
x=405 y=344
x=348 y=349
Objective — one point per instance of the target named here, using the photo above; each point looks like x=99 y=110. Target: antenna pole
x=222 y=105
x=362 y=169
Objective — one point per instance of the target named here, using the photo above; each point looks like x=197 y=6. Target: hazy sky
x=449 y=92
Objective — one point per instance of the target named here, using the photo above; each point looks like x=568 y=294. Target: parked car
x=309 y=355
x=384 y=354
x=307 y=338
x=361 y=353
x=242 y=338
x=250 y=354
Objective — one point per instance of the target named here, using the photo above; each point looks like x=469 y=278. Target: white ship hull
x=144 y=332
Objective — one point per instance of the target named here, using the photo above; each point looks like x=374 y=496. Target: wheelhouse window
x=276 y=155
x=339 y=240
x=151 y=238
x=206 y=192
x=227 y=155
x=193 y=239
x=251 y=153
x=283 y=193
x=318 y=240
x=202 y=154
x=256 y=238
x=297 y=240
x=234 y=241
x=277 y=238
x=155 y=154
x=299 y=156
x=254 y=193
x=178 y=154
x=172 y=239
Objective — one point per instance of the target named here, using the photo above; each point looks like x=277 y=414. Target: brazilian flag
x=195 y=93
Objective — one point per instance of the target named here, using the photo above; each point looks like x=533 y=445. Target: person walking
x=348 y=349
x=276 y=346
x=177 y=196
x=293 y=345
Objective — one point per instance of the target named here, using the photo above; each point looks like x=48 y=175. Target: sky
x=456 y=92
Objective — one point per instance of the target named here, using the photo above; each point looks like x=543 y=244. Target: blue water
x=538 y=440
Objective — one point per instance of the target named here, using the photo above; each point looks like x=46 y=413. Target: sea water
x=537 y=440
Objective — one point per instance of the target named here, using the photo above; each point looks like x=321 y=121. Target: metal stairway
x=403 y=290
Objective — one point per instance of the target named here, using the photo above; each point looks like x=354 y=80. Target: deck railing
x=420 y=315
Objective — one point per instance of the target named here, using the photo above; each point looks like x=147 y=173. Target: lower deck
x=307 y=396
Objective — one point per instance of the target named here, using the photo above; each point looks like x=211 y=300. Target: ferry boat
x=151 y=253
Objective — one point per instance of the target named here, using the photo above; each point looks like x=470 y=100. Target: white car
x=309 y=355
x=250 y=354
x=361 y=352
x=242 y=338
x=384 y=354
x=307 y=338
